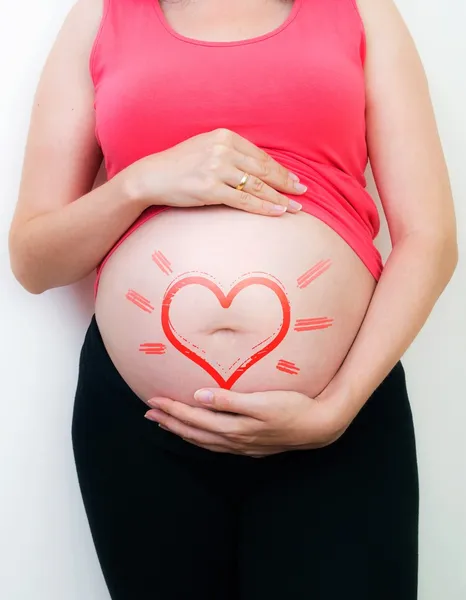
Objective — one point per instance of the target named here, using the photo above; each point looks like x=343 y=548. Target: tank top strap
x=328 y=18
x=124 y=26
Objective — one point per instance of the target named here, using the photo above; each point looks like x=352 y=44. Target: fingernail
x=295 y=205
x=153 y=403
x=204 y=396
x=299 y=187
x=276 y=208
x=293 y=176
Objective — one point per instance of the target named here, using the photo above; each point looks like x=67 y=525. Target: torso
x=299 y=291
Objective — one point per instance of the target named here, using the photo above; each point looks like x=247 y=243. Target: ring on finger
x=243 y=182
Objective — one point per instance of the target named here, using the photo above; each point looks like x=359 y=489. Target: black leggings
x=171 y=521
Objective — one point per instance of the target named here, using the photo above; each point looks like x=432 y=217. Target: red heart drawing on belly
x=225 y=302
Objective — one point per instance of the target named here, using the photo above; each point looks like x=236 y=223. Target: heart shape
x=225 y=302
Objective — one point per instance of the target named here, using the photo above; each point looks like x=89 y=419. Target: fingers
x=250 y=159
x=259 y=189
x=185 y=424
x=206 y=429
x=268 y=181
x=226 y=401
x=189 y=433
x=200 y=418
x=206 y=439
x=249 y=203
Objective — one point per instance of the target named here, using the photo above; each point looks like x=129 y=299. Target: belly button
x=224 y=330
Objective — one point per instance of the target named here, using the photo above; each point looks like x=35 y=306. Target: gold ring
x=243 y=182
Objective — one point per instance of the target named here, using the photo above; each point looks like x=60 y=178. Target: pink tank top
x=298 y=92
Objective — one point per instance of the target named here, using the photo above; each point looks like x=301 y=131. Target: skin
x=58 y=233
x=342 y=291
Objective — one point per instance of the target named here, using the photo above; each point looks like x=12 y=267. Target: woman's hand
x=257 y=425
x=205 y=170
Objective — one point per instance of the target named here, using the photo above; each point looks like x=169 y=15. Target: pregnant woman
x=240 y=303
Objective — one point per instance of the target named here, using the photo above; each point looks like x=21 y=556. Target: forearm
x=61 y=247
x=415 y=275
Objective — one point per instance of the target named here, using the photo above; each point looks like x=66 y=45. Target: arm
x=60 y=230
x=412 y=179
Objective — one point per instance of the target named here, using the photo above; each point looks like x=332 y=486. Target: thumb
x=228 y=401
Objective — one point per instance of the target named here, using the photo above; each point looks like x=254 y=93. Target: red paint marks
x=287 y=367
x=139 y=301
x=263 y=342
x=193 y=345
x=163 y=263
x=153 y=348
x=317 y=270
x=313 y=324
x=236 y=362
x=225 y=302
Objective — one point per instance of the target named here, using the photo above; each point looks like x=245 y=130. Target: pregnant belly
x=220 y=297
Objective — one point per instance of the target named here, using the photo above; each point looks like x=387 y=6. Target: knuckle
x=240 y=439
x=244 y=200
x=257 y=185
x=263 y=155
x=265 y=167
x=223 y=135
x=236 y=446
x=242 y=443
x=218 y=151
x=266 y=207
x=221 y=400
x=215 y=161
x=234 y=436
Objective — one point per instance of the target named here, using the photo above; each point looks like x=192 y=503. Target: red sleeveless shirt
x=297 y=92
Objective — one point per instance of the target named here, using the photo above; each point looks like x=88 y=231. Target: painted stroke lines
x=143 y=303
x=149 y=348
x=162 y=262
x=139 y=301
x=314 y=272
x=313 y=324
x=287 y=367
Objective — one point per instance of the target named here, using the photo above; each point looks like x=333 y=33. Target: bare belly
x=209 y=297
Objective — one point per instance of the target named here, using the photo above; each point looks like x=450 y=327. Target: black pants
x=171 y=521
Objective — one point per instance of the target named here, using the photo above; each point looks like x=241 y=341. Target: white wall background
x=46 y=551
